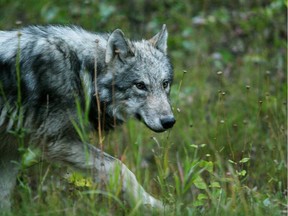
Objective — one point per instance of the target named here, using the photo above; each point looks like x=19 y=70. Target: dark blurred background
x=225 y=28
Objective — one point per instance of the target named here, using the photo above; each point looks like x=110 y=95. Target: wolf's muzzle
x=167 y=122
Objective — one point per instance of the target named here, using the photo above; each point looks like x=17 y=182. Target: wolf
x=50 y=74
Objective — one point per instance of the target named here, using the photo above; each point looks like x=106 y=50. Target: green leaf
x=78 y=180
x=214 y=185
x=241 y=173
x=202 y=197
x=199 y=183
x=198 y=203
x=232 y=162
x=208 y=165
x=30 y=157
x=194 y=146
x=244 y=160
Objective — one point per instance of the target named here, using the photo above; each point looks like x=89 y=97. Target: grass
x=227 y=153
x=225 y=156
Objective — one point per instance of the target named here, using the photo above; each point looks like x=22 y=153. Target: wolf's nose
x=167 y=122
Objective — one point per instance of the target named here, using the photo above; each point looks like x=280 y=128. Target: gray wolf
x=49 y=73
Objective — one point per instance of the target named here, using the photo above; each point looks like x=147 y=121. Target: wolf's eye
x=141 y=86
x=165 y=84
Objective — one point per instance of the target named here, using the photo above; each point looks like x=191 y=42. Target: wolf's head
x=138 y=80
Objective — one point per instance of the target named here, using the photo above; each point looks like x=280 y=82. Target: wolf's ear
x=159 y=41
x=117 y=45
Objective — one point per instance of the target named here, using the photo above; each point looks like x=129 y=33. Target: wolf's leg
x=89 y=159
x=8 y=173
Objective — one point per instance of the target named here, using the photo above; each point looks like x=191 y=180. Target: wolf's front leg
x=103 y=167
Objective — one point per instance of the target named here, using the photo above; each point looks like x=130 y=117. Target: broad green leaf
x=202 y=197
x=198 y=203
x=30 y=157
x=199 y=183
x=214 y=185
x=208 y=165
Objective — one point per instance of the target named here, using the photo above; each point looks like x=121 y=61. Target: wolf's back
x=38 y=72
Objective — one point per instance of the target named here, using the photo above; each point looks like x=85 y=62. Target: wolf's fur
x=47 y=72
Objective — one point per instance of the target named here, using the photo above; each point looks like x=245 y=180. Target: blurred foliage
x=228 y=150
x=229 y=28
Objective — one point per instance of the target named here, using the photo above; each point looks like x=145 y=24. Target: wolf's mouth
x=157 y=130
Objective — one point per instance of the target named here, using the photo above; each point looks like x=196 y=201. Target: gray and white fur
x=46 y=72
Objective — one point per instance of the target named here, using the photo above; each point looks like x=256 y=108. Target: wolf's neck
x=88 y=46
